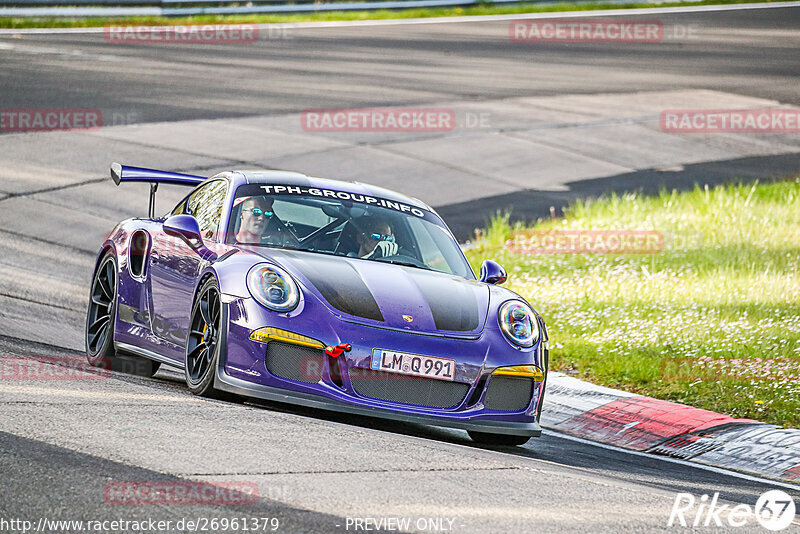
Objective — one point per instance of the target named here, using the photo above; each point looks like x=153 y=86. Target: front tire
x=203 y=344
x=497 y=439
x=100 y=319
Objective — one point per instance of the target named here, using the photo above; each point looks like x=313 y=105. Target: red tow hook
x=334 y=351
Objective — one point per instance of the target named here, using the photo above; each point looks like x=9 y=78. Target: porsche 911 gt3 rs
x=328 y=294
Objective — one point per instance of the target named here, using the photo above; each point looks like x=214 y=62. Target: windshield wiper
x=271 y=245
x=291 y=247
x=404 y=264
x=328 y=253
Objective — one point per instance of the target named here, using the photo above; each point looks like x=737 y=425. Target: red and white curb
x=667 y=428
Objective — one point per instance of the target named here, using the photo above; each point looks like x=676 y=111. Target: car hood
x=390 y=296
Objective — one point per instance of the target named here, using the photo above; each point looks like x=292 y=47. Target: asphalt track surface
x=751 y=52
x=538 y=98
x=62 y=441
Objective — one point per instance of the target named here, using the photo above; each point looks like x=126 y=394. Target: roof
x=298 y=179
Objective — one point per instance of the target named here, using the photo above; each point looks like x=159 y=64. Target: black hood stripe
x=340 y=284
x=452 y=302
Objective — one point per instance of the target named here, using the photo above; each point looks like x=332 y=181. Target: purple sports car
x=333 y=295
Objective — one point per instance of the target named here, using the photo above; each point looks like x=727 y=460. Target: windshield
x=344 y=224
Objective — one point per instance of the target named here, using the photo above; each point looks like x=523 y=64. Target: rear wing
x=126 y=173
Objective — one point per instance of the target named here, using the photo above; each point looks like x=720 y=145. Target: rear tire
x=497 y=439
x=102 y=313
x=100 y=319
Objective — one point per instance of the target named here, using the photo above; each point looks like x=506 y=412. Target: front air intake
x=404 y=389
x=294 y=362
x=509 y=394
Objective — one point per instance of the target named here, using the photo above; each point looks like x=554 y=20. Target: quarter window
x=205 y=204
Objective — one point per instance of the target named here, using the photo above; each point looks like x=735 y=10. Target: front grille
x=406 y=389
x=294 y=362
x=508 y=394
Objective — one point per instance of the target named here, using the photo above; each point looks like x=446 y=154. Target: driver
x=375 y=238
x=258 y=224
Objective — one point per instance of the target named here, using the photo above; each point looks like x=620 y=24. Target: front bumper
x=225 y=382
x=242 y=370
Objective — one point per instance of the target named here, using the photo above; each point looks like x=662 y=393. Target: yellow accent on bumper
x=269 y=333
x=522 y=371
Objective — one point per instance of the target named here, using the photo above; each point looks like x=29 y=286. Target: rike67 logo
x=774 y=510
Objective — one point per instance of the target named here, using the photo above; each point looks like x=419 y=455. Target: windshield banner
x=341 y=195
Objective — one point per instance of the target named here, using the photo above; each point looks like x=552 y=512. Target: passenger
x=375 y=238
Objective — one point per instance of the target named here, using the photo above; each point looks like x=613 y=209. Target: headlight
x=273 y=287
x=518 y=323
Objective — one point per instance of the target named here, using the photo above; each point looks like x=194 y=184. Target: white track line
x=452 y=20
x=687 y=463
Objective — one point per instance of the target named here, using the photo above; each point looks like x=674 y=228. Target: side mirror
x=493 y=273
x=186 y=228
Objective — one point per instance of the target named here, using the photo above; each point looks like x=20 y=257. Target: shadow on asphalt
x=557 y=448
x=531 y=205
x=553 y=447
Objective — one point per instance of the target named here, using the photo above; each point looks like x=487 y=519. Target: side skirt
x=144 y=353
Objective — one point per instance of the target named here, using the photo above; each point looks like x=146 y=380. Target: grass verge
x=712 y=320
x=484 y=9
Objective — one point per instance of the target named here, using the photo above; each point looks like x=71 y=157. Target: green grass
x=713 y=320
x=484 y=9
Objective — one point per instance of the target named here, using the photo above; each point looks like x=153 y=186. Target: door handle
x=153 y=258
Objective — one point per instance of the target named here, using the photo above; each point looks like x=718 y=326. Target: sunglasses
x=258 y=212
x=381 y=237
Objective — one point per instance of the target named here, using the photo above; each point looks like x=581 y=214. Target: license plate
x=413 y=364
